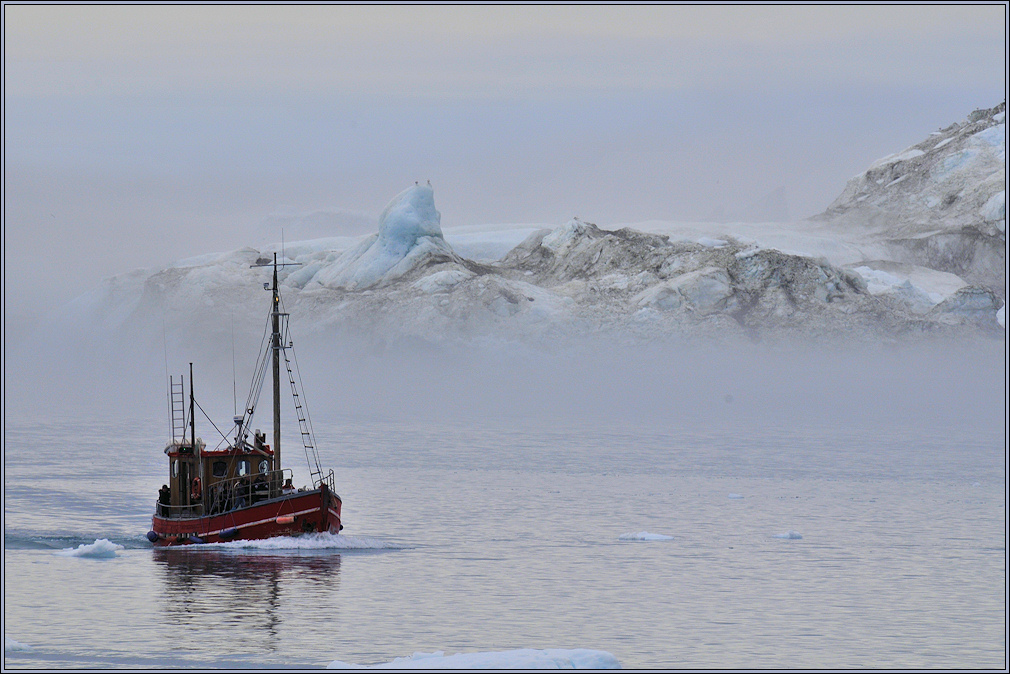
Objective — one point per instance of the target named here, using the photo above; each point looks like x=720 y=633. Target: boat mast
x=192 y=435
x=275 y=316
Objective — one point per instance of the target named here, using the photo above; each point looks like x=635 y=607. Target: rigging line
x=260 y=365
x=211 y=421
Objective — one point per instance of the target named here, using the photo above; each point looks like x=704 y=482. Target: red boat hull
x=304 y=512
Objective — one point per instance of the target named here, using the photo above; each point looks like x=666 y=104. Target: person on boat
x=261 y=490
x=288 y=487
x=164 y=499
x=241 y=493
x=196 y=492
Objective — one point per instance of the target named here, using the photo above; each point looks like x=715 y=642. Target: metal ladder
x=177 y=395
x=308 y=441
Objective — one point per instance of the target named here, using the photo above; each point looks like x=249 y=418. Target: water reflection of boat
x=241 y=491
x=243 y=600
x=246 y=565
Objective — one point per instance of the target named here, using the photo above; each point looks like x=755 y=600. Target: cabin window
x=219 y=469
x=264 y=466
x=175 y=468
x=243 y=467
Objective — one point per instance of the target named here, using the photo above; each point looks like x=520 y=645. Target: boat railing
x=231 y=494
x=329 y=480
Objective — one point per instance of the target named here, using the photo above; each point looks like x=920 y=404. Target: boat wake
x=307 y=542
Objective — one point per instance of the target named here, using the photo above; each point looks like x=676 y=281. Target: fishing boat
x=239 y=490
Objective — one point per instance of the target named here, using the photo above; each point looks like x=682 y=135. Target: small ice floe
x=644 y=536
x=524 y=658
x=734 y=496
x=102 y=548
x=789 y=535
x=11 y=645
x=319 y=541
x=710 y=242
x=976 y=484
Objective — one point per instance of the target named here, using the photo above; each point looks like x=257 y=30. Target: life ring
x=196 y=491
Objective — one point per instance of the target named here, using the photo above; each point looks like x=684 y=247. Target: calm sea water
x=507 y=536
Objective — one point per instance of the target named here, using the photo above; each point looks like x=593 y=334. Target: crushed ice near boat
x=523 y=658
x=102 y=548
x=307 y=542
x=644 y=536
x=11 y=645
x=789 y=535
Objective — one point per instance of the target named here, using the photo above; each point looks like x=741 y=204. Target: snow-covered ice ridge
x=886 y=260
x=519 y=659
x=940 y=203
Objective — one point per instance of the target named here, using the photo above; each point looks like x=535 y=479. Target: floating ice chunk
x=1001 y=316
x=644 y=536
x=789 y=535
x=524 y=658
x=734 y=496
x=101 y=549
x=709 y=242
x=11 y=645
x=943 y=142
x=318 y=541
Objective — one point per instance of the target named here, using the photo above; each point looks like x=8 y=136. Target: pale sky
x=137 y=135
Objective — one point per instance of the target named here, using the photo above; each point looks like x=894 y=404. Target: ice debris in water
x=644 y=536
x=523 y=658
x=734 y=496
x=11 y=645
x=101 y=549
x=319 y=541
x=790 y=535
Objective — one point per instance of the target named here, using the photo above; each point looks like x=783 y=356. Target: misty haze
x=652 y=337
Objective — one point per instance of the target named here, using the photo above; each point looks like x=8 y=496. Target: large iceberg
x=913 y=248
